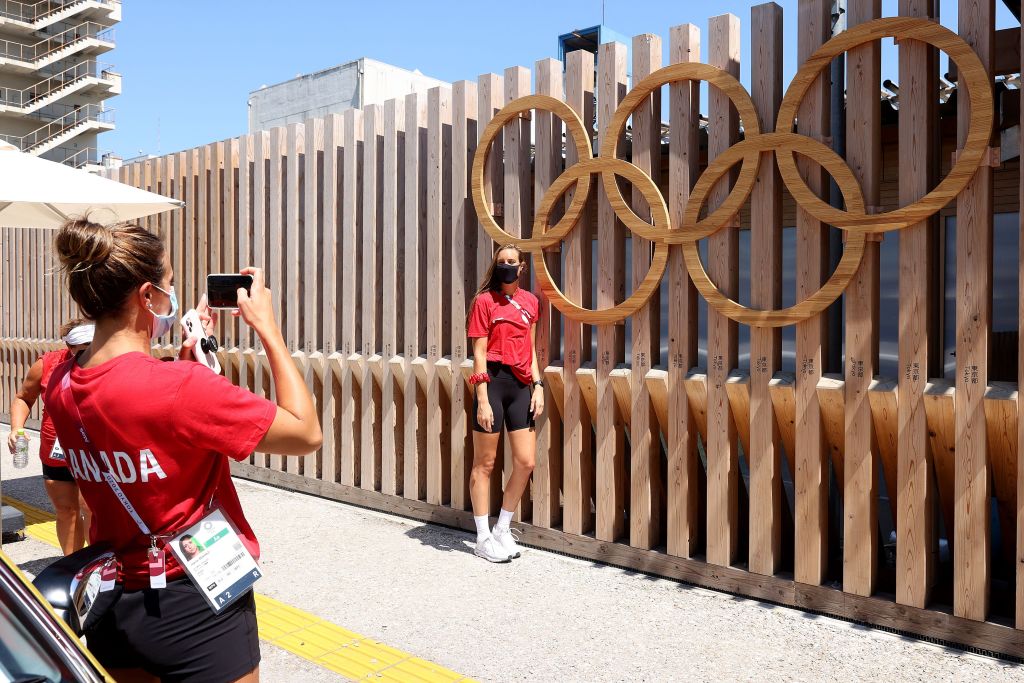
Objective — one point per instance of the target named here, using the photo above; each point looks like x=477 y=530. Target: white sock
x=504 y=519
x=483 y=529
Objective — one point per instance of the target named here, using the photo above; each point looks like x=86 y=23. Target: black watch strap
x=538 y=383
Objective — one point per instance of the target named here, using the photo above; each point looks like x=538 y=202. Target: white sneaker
x=507 y=541
x=491 y=550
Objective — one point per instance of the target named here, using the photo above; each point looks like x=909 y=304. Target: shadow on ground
x=33 y=567
x=440 y=539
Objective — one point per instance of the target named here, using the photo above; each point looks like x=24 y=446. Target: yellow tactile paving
x=345 y=652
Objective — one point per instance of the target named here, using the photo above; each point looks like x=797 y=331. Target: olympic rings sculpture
x=782 y=143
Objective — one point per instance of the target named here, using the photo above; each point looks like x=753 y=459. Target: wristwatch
x=538 y=383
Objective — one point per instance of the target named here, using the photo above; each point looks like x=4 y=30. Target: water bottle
x=21 y=450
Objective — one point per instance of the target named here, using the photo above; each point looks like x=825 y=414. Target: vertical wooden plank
x=611 y=456
x=860 y=467
x=491 y=98
x=230 y=257
x=915 y=521
x=645 y=445
x=214 y=228
x=971 y=556
x=518 y=210
x=350 y=451
x=291 y=270
x=812 y=474
x=413 y=401
x=392 y=213
x=547 y=475
x=202 y=222
x=332 y=293
x=179 y=221
x=276 y=229
x=373 y=129
x=723 y=257
x=1020 y=409
x=244 y=225
x=765 y=458
x=464 y=225
x=311 y=236
x=439 y=116
x=261 y=220
x=578 y=517
x=185 y=282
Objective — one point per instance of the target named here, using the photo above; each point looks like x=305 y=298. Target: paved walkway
x=418 y=590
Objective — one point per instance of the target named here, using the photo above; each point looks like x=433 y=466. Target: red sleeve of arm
x=215 y=415
x=479 y=318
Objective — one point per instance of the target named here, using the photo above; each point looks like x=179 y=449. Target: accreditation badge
x=57 y=453
x=214 y=557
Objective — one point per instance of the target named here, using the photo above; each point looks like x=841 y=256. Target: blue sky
x=189 y=65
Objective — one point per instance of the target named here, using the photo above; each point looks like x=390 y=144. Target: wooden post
x=463 y=277
x=812 y=474
x=723 y=257
x=611 y=456
x=373 y=129
x=352 y=175
x=577 y=439
x=765 y=457
x=414 y=405
x=860 y=467
x=393 y=195
x=439 y=117
x=646 y=496
x=331 y=281
x=547 y=476
x=971 y=541
x=916 y=537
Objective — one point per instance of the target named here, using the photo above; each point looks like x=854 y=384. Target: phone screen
x=222 y=289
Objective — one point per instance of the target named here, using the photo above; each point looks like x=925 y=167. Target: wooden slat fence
x=739 y=476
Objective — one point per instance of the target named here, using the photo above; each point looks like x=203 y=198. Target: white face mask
x=163 y=323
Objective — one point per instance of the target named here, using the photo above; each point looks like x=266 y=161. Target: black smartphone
x=222 y=289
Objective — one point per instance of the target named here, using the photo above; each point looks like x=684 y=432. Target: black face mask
x=506 y=273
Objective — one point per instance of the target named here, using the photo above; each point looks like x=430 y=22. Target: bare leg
x=64 y=496
x=524 y=455
x=85 y=521
x=485 y=449
x=251 y=677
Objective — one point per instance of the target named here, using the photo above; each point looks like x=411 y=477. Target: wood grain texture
x=370 y=303
x=765 y=454
x=683 y=491
x=413 y=399
x=917 y=548
x=392 y=217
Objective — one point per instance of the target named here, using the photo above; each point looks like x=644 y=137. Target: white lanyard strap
x=523 y=312
x=69 y=401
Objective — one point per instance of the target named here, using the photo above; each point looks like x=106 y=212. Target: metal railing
x=30 y=53
x=25 y=97
x=31 y=12
x=73 y=119
x=76 y=158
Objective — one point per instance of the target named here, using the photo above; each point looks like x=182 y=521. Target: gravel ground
x=544 y=617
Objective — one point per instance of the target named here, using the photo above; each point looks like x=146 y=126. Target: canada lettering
x=122 y=468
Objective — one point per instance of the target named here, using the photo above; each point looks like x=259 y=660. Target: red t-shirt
x=167 y=430
x=507 y=328
x=47 y=434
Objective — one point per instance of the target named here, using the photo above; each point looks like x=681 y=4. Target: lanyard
x=69 y=404
x=523 y=312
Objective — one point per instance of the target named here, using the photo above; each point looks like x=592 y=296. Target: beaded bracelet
x=480 y=378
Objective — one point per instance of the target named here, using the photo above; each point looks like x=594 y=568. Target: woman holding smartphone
x=508 y=392
x=168 y=430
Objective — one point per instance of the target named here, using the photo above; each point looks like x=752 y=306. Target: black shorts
x=172 y=633
x=57 y=473
x=509 y=399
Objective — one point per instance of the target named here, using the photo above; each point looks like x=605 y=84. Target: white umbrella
x=37 y=193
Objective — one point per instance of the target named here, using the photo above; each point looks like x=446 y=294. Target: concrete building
x=52 y=85
x=354 y=84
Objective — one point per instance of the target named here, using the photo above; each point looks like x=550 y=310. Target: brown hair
x=103 y=265
x=70 y=325
x=489 y=283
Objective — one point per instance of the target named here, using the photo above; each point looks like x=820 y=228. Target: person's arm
x=296 y=427
x=484 y=414
x=23 y=401
x=537 y=393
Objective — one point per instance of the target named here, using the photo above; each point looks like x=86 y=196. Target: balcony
x=35 y=16
x=78 y=120
x=88 y=38
x=80 y=78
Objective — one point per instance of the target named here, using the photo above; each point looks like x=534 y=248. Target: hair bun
x=82 y=244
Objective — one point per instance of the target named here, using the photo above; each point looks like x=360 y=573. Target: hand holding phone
x=222 y=288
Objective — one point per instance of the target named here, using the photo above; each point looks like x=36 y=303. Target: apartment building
x=53 y=80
